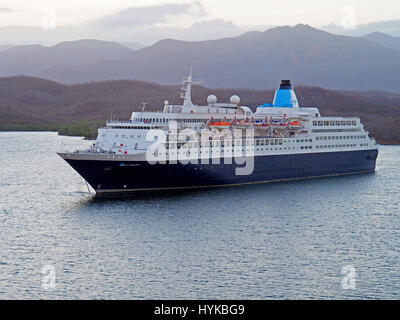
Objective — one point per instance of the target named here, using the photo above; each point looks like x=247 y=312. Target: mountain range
x=384 y=40
x=390 y=27
x=254 y=60
x=34 y=59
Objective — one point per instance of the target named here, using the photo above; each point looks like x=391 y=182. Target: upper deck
x=297 y=129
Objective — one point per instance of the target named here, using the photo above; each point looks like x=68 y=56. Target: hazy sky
x=184 y=13
x=147 y=21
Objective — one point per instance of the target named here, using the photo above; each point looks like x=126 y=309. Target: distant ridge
x=390 y=27
x=133 y=45
x=5 y=46
x=33 y=59
x=384 y=40
x=254 y=60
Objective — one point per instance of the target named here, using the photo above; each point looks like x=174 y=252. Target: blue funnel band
x=284 y=97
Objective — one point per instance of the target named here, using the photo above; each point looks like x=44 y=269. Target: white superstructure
x=278 y=129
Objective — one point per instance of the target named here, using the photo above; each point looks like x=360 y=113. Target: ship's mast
x=186 y=93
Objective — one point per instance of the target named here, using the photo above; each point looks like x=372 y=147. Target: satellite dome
x=166 y=102
x=235 y=99
x=211 y=99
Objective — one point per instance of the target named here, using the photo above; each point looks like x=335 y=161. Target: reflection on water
x=277 y=240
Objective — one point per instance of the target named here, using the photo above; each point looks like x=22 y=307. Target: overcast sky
x=149 y=20
x=249 y=12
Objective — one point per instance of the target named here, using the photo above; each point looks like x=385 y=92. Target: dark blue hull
x=114 y=176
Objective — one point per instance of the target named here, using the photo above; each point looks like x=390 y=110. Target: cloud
x=2 y=9
x=150 y=15
x=391 y=27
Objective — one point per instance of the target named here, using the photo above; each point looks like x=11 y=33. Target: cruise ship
x=222 y=144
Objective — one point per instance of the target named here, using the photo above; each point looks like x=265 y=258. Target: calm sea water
x=281 y=241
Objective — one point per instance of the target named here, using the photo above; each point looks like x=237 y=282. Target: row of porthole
x=341 y=137
x=337 y=146
x=335 y=123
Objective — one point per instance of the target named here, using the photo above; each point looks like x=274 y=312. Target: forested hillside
x=28 y=103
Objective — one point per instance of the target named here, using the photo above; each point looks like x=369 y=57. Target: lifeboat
x=262 y=125
x=244 y=124
x=279 y=124
x=295 y=125
x=219 y=124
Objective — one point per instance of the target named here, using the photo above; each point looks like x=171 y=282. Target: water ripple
x=279 y=241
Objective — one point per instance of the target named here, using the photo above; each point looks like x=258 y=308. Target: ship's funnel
x=285 y=96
